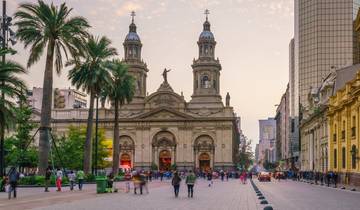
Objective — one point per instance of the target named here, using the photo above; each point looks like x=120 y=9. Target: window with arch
x=335 y=158
x=343 y=130
x=353 y=127
x=334 y=135
x=343 y=156
x=353 y=156
x=205 y=81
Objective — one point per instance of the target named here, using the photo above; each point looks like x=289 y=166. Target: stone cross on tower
x=132 y=16
x=207 y=12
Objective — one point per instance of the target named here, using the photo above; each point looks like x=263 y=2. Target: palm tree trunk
x=45 y=121
x=88 y=140
x=116 y=142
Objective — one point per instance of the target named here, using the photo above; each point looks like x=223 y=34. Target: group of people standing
x=328 y=178
x=72 y=177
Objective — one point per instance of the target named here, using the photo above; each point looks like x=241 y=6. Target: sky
x=252 y=44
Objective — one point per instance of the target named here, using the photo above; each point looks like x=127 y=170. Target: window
x=353 y=156
x=343 y=156
x=335 y=158
x=353 y=128
x=205 y=82
x=292 y=125
x=343 y=131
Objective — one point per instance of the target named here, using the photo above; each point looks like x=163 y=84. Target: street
x=230 y=195
x=293 y=195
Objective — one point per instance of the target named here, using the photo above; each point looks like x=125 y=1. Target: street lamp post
x=5 y=30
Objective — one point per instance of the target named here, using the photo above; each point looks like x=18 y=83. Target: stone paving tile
x=221 y=196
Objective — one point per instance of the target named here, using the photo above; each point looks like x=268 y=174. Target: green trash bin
x=101 y=183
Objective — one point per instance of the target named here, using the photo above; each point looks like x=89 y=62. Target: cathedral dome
x=206 y=35
x=132 y=36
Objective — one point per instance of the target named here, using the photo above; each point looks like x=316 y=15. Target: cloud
x=127 y=7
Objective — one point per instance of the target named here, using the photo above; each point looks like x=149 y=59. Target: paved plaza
x=230 y=195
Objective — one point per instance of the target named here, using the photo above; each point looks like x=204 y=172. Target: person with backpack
x=14 y=177
x=190 y=181
x=176 y=183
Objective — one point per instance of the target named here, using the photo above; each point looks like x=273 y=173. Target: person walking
x=127 y=181
x=47 y=179
x=80 y=175
x=59 y=176
x=176 y=180
x=328 y=178
x=13 y=180
x=227 y=175
x=72 y=178
x=190 y=181
x=209 y=178
x=222 y=174
x=335 y=178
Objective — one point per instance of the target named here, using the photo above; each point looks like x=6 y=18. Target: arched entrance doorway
x=204 y=161
x=125 y=160
x=164 y=150
x=165 y=160
x=204 y=150
x=127 y=151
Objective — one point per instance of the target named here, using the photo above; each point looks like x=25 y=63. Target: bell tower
x=132 y=58
x=206 y=71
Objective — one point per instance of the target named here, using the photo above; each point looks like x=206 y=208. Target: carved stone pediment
x=165 y=114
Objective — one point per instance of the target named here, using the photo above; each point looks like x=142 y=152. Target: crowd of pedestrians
x=138 y=179
x=329 y=178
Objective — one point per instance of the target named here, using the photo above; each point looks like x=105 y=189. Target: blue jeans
x=81 y=181
x=176 y=190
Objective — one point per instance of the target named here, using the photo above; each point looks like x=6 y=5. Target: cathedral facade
x=162 y=128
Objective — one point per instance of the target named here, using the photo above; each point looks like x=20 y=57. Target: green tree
x=120 y=90
x=41 y=26
x=245 y=155
x=11 y=88
x=70 y=152
x=20 y=150
x=90 y=74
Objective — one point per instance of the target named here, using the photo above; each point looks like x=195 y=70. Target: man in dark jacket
x=176 y=183
x=13 y=179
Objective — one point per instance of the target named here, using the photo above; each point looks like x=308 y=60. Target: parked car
x=264 y=176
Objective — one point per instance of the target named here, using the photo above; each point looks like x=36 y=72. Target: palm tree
x=121 y=90
x=11 y=87
x=90 y=74
x=43 y=26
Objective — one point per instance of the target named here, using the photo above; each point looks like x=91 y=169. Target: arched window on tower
x=214 y=84
x=211 y=50
x=206 y=50
x=205 y=82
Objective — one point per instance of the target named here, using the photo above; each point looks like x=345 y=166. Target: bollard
x=261 y=197
x=264 y=202
x=268 y=208
x=353 y=189
x=259 y=194
x=343 y=188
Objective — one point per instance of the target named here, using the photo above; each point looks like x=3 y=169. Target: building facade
x=162 y=129
x=267 y=141
x=343 y=117
x=62 y=98
x=324 y=39
x=315 y=125
x=282 y=130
